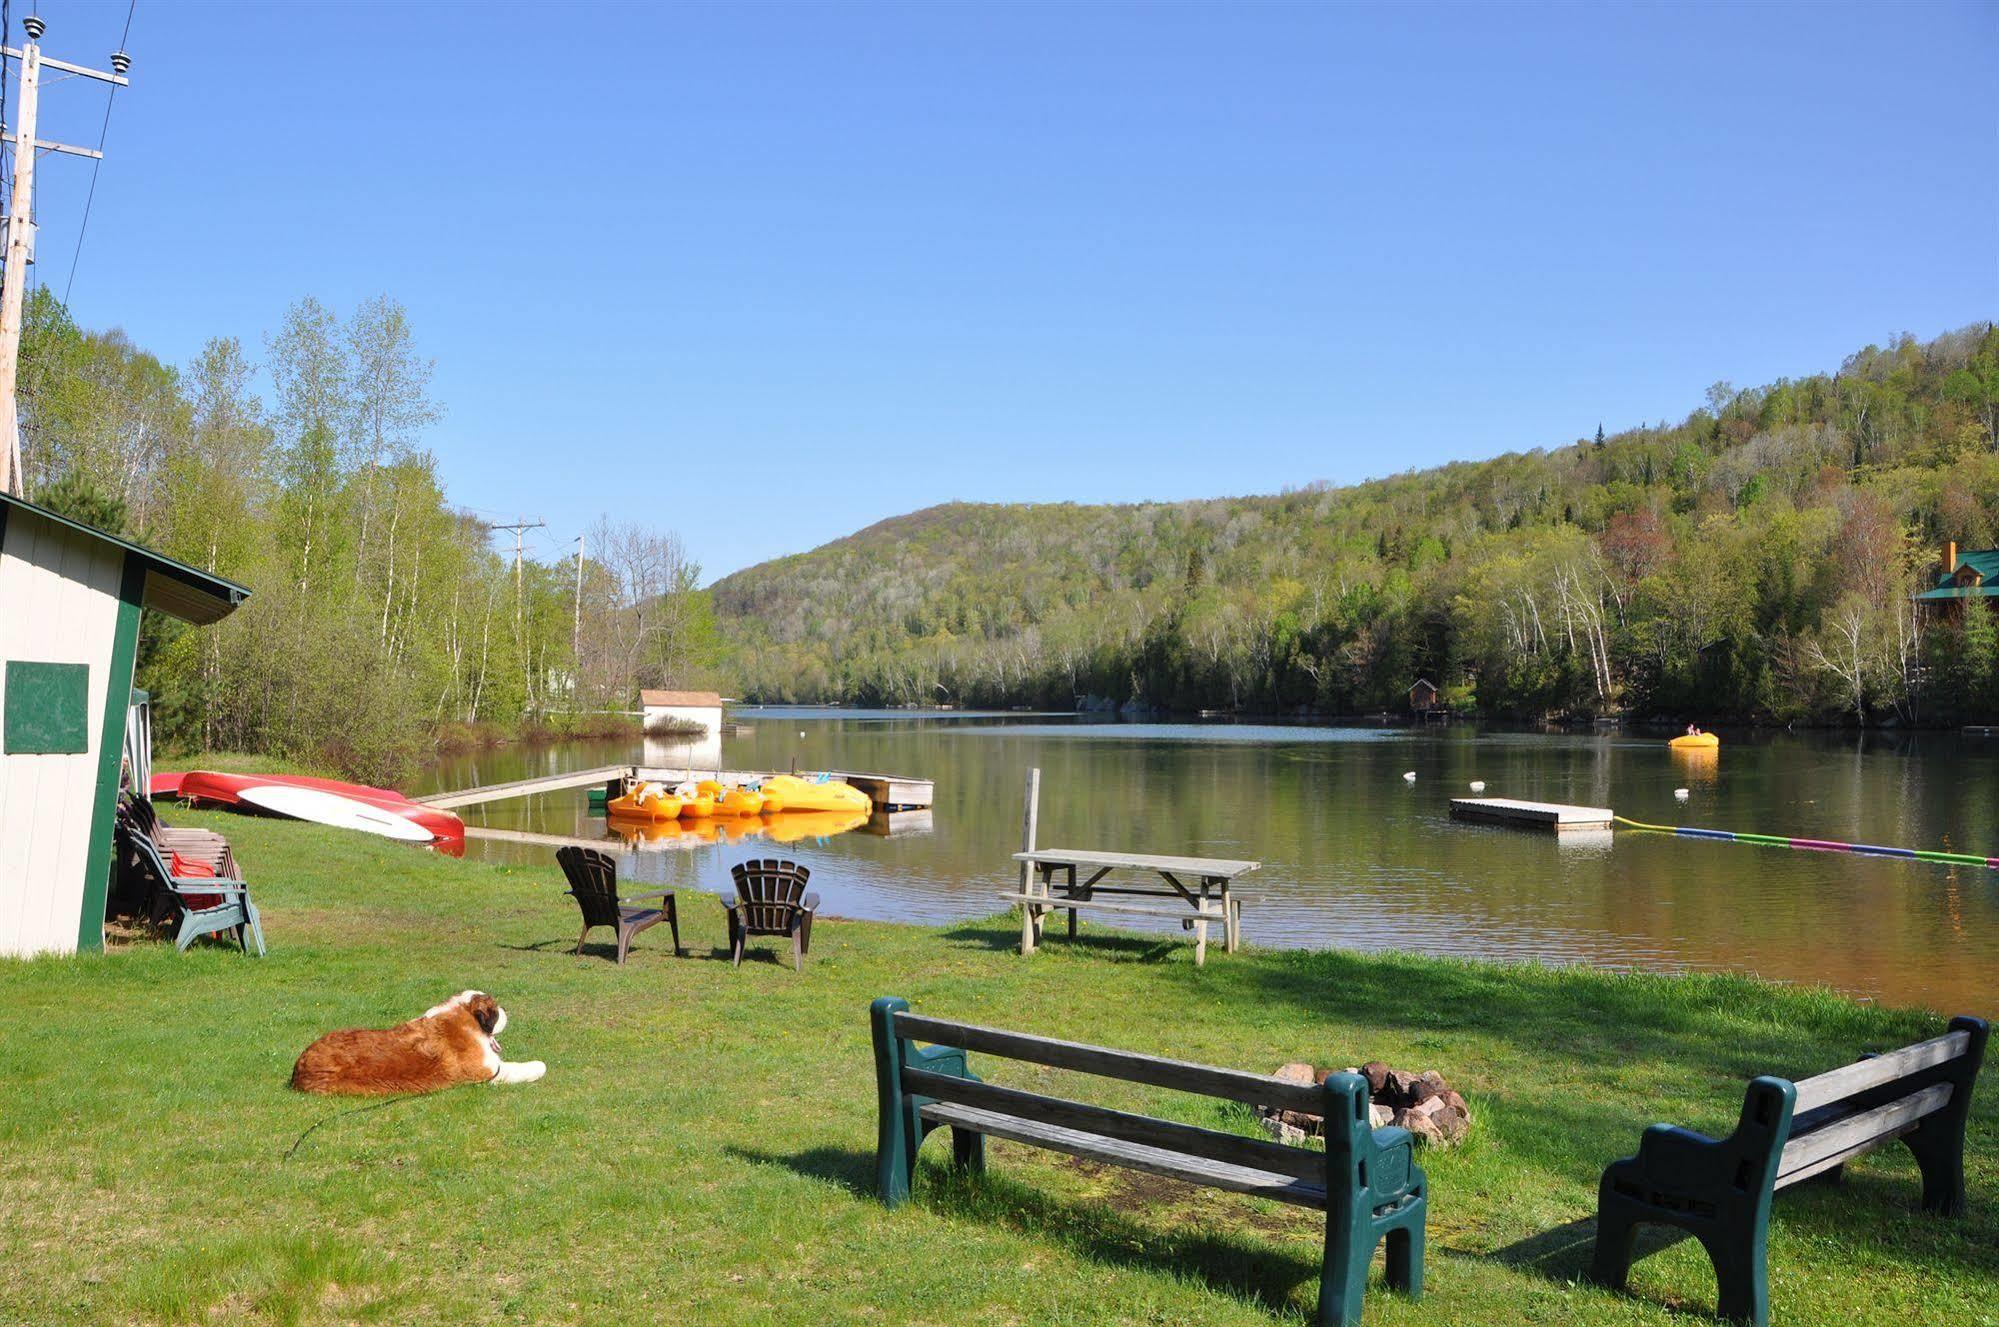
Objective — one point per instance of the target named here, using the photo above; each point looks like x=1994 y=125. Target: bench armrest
x=213 y=884
x=810 y=903
x=654 y=893
x=1673 y=1160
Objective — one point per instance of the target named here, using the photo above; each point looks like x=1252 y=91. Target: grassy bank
x=701 y=1149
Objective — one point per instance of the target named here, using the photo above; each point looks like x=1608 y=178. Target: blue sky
x=766 y=274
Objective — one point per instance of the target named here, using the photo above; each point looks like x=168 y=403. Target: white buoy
x=801 y=733
x=1477 y=785
x=1410 y=777
x=1680 y=794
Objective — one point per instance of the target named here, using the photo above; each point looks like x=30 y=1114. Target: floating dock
x=1553 y=817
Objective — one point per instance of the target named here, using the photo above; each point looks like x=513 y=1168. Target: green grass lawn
x=702 y=1148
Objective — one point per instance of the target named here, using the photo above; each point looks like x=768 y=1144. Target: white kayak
x=325 y=808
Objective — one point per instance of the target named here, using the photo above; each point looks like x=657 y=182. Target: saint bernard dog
x=455 y=1042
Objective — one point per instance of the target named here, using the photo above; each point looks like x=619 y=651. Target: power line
x=118 y=62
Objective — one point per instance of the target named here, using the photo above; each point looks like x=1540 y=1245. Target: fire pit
x=1423 y=1103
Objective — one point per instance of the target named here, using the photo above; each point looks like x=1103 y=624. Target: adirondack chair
x=771 y=900
x=593 y=883
x=207 y=904
x=201 y=845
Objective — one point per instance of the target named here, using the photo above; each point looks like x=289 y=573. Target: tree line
x=1752 y=561
x=382 y=617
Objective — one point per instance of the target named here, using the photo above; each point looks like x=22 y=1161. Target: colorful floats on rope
x=655 y=803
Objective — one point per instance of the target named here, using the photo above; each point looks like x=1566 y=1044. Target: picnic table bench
x=1366 y=1181
x=1720 y=1190
x=1209 y=898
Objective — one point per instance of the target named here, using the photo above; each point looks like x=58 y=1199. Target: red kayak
x=196 y=787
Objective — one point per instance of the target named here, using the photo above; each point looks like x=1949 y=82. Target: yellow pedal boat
x=820 y=794
x=648 y=802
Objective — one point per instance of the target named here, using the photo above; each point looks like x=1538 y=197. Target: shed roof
x=173 y=588
x=695 y=699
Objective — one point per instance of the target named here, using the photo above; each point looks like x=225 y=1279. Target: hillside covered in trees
x=380 y=614
x=1754 y=560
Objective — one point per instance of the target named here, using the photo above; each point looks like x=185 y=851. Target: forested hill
x=1754 y=559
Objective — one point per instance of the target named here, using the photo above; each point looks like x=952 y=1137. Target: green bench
x=1720 y=1190
x=1366 y=1181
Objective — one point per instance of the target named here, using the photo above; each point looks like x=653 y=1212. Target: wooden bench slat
x=1843 y=1156
x=1231 y=1084
x=1848 y=1079
x=1866 y=1130
x=1170 y=1135
x=1172 y=913
x=1135 y=1156
x=1210 y=867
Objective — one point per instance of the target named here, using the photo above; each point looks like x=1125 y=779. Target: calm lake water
x=1355 y=856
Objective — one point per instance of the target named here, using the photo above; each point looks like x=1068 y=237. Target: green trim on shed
x=111 y=751
x=185 y=592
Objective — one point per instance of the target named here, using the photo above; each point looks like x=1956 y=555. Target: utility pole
x=20 y=221
x=520 y=529
x=576 y=632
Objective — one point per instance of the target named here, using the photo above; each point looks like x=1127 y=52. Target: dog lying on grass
x=452 y=1043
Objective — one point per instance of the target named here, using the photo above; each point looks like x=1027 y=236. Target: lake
x=1356 y=856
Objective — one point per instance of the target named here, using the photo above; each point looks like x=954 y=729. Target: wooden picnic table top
x=1207 y=868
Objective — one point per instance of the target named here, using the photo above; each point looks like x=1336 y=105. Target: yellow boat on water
x=739 y=802
x=648 y=802
x=823 y=793
x=698 y=807
x=1695 y=742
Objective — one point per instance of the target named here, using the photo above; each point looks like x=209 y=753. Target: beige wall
x=58 y=604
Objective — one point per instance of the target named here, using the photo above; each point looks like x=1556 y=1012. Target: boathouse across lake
x=70 y=599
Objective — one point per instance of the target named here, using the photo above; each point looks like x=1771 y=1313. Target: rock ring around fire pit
x=1423 y=1103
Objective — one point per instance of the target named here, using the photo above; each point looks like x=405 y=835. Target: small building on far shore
x=1422 y=696
x=672 y=712
x=1958 y=578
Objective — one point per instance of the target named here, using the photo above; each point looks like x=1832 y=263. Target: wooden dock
x=1550 y=816
x=548 y=783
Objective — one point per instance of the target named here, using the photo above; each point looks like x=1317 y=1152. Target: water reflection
x=1355 y=856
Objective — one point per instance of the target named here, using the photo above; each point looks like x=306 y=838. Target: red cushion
x=184 y=869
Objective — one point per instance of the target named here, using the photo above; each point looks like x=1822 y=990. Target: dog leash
x=354 y=1110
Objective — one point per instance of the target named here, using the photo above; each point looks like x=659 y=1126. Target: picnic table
x=1200 y=890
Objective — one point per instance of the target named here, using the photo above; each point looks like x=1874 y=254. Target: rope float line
x=1815 y=845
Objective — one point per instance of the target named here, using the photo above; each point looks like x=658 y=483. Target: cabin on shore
x=1422 y=696
x=674 y=711
x=1960 y=577
x=70 y=599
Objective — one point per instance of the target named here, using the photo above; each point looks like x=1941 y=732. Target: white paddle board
x=325 y=808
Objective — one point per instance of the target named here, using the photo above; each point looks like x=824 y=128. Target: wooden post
x=20 y=245
x=1030 y=919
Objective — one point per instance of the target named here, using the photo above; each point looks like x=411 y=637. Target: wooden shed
x=1422 y=696
x=70 y=599
x=667 y=710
